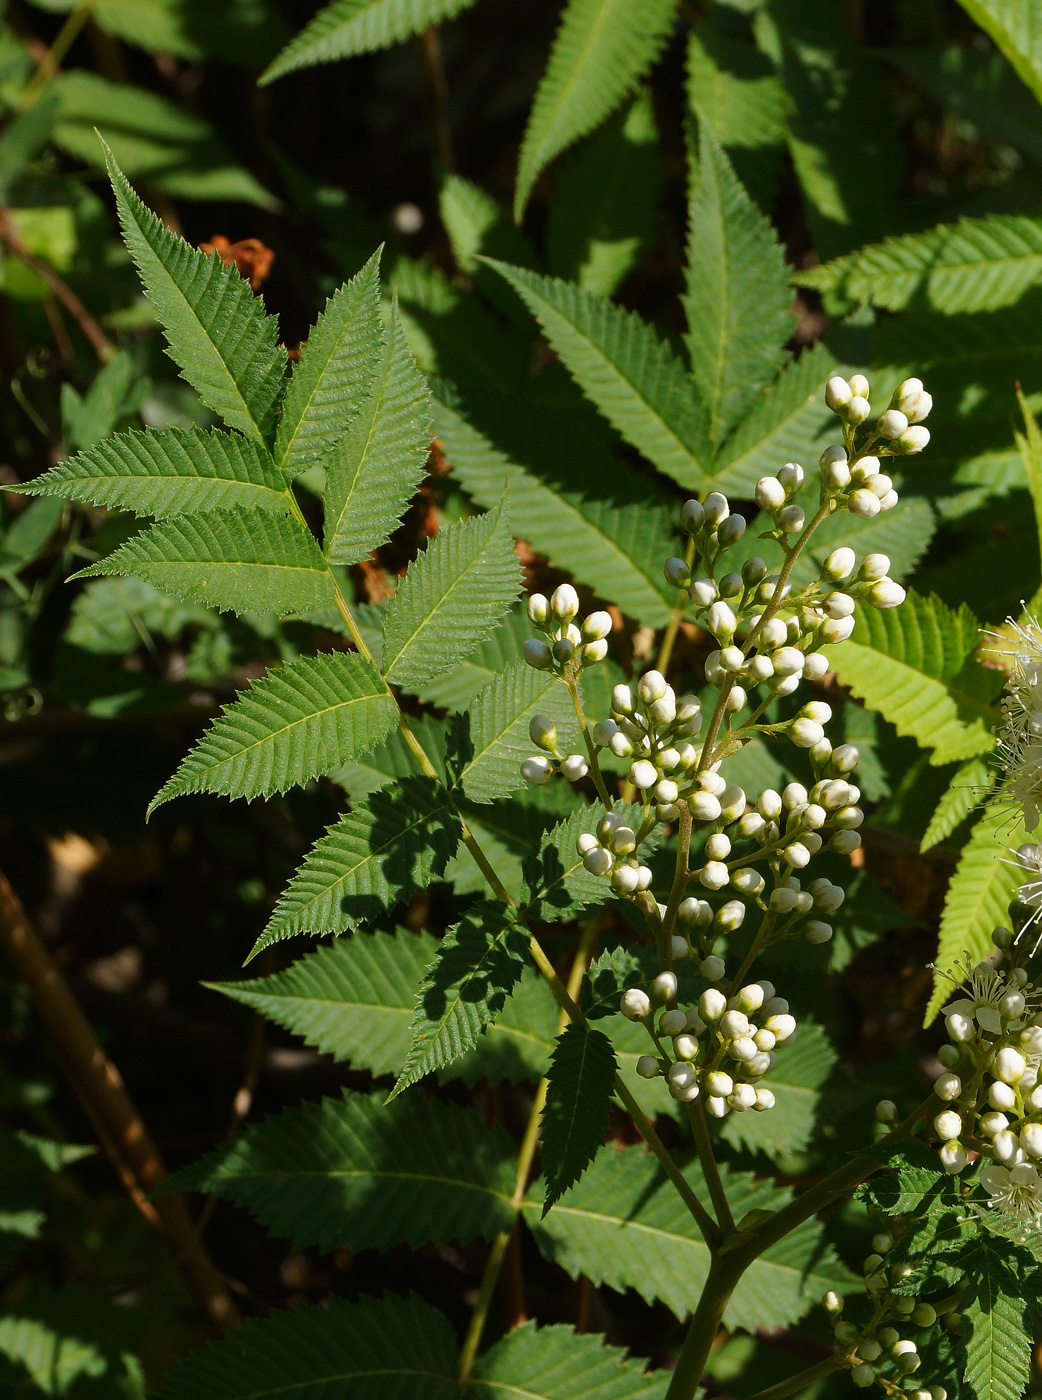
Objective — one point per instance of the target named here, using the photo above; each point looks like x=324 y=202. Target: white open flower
x=1014 y=1191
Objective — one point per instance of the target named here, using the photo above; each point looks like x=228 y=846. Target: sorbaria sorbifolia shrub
x=720 y=872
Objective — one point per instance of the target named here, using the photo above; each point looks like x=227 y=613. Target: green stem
x=591 y=747
x=766 y=924
x=676 y=894
x=710 y=1170
x=801 y=1380
x=51 y=61
x=669 y=637
x=724 y=1274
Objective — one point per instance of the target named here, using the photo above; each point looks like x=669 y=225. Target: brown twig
x=437 y=92
x=9 y=236
x=97 y=1084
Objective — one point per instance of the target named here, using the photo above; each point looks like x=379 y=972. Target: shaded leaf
x=555 y=1363
x=578 y=1107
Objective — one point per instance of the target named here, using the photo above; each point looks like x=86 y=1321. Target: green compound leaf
x=380 y=460
x=797 y=1082
x=217 y=330
x=967 y=790
x=451 y=597
x=370 y=1175
x=555 y=1363
x=388 y=846
x=974 y=265
x=305 y=718
x=789 y=423
x=578 y=1107
x=1016 y=28
x=624 y=1225
x=998 y=1349
x=914 y=664
x=169 y=471
x=348 y=27
x=385 y=1348
x=355 y=999
x=606 y=200
x=977 y=901
x=337 y=366
x=477 y=965
x=737 y=298
x=352 y=999
x=241 y=561
x=613 y=541
x=493 y=735
x=602 y=50
x=495 y=654
x=623 y=368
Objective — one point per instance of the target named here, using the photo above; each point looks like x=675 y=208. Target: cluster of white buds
x=989 y=1090
x=720 y=1047
x=654 y=727
x=538 y=769
x=612 y=852
x=898 y=427
x=569 y=646
x=877 y=1350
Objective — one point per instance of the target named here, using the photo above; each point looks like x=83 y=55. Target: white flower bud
x=880 y=485
x=839 y=564
x=586 y=842
x=783 y=900
x=716 y=508
x=874 y=566
x=664 y=711
x=666 y=792
x=721 y=622
x=1008 y=1065
x=889 y=501
x=620 y=746
x=953 y=1157
x=636 y=1004
x=836 y=475
x=770 y=493
x=947 y=1125
x=912 y=440
x=947 y=1087
x=704 y=807
x=538 y=609
x=959 y=1027
x=750 y=998
x=719 y=1084
x=574 y=767
x=747 y=881
x=1005 y=1145
x=644 y=878
x=543 y=732
x=885 y=593
x=537 y=654
x=781 y=1025
x=624 y=879
x=664 y=986
x=1031 y=1040
x=742 y=1097
x=769 y=804
x=845 y=842
x=817 y=932
x=597 y=861
x=643 y=774
x=892 y=423
x=1031 y=1139
x=839 y=605
x=711 y=1006
x=717 y=1107
x=764 y=1100
x=604 y=732
x=858 y=409
x=791 y=519
x=713 y=875
x=859 y=385
x=702 y=592
x=835 y=453
x=837 y=393
x=835 y=630
x=648 y=1067
x=692 y=515
x=863 y=503
x=694 y=913
x=622 y=701
x=733 y=1024
x=652 y=686
x=886 y=1111
x=537 y=770
x=596 y=626
x=845 y=758
x=1013 y=1005
x=805 y=733
x=564 y=602
x=677 y=572
x=788 y=661
x=1001 y=1095
x=906 y=389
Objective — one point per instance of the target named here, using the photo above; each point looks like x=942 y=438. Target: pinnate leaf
x=385 y=1348
x=494 y=737
x=169 y=471
x=370 y=1175
x=968 y=786
x=623 y=1224
x=623 y=367
x=555 y=1363
x=601 y=52
x=348 y=27
x=977 y=901
x=217 y=330
x=379 y=462
x=451 y=597
x=974 y=265
x=238 y=561
x=998 y=1349
x=476 y=966
x=305 y=718
x=914 y=664
x=336 y=368
x=738 y=297
x=388 y=846
x=578 y=1106
x=557 y=883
